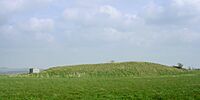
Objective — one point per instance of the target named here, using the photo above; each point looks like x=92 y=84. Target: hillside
x=110 y=69
x=110 y=81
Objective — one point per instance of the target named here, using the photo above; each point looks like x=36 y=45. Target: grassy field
x=50 y=85
x=109 y=70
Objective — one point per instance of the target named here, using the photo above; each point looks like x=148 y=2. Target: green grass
x=183 y=87
x=110 y=70
x=115 y=81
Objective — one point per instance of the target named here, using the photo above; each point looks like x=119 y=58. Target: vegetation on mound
x=129 y=80
x=109 y=70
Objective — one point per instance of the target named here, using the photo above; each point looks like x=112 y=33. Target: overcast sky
x=45 y=33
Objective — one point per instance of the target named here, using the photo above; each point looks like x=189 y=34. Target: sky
x=46 y=33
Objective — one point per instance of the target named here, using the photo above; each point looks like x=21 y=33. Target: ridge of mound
x=109 y=70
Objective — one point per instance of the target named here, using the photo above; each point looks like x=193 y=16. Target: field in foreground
x=131 y=80
x=183 y=87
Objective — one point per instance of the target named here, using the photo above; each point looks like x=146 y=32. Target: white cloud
x=115 y=26
x=175 y=12
x=105 y=14
x=111 y=34
x=148 y=25
x=70 y=14
x=107 y=23
x=42 y=28
x=38 y=29
x=189 y=8
x=130 y=19
x=174 y=17
x=10 y=8
x=15 y=5
x=152 y=9
x=11 y=5
x=111 y=11
x=185 y=3
x=41 y=25
x=79 y=14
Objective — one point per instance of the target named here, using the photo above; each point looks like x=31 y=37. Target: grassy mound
x=110 y=70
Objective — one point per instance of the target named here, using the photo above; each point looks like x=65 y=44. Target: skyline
x=47 y=33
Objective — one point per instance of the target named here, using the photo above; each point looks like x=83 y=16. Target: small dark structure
x=177 y=67
x=34 y=70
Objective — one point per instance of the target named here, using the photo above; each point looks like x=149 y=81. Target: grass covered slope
x=111 y=81
x=101 y=88
x=110 y=69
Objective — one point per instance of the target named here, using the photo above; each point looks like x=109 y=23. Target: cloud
x=101 y=25
x=41 y=25
x=190 y=3
x=70 y=14
x=110 y=11
x=16 y=5
x=112 y=27
x=104 y=23
x=79 y=14
x=176 y=12
x=11 y=5
x=41 y=28
x=10 y=8
x=108 y=35
x=169 y=21
x=32 y=32
x=108 y=23
x=99 y=14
